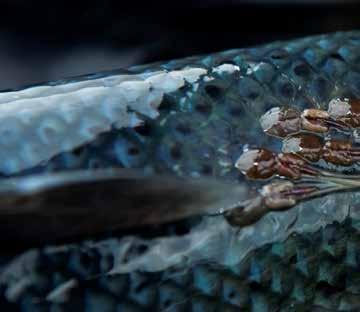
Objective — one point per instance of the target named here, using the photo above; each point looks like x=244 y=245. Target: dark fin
x=57 y=206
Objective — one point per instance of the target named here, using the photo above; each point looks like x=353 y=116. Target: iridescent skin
x=201 y=129
x=212 y=119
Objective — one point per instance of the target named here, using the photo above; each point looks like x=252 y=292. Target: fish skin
x=306 y=272
x=201 y=129
x=197 y=131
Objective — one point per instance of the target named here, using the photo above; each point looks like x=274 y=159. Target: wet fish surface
x=271 y=119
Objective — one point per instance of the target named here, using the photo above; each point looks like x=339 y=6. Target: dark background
x=47 y=40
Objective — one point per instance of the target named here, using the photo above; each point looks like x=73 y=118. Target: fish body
x=309 y=272
x=190 y=118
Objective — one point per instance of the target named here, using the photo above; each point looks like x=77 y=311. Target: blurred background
x=47 y=40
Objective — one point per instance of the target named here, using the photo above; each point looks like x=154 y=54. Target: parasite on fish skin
x=281 y=121
x=191 y=118
x=342 y=114
x=314 y=120
x=346 y=111
x=313 y=148
x=263 y=164
x=270 y=198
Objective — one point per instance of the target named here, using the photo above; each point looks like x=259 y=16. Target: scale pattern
x=203 y=126
x=201 y=130
x=309 y=272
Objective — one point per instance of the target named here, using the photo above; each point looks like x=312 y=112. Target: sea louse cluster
x=342 y=114
x=306 y=140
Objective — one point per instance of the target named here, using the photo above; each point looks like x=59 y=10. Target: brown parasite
x=295 y=169
x=342 y=114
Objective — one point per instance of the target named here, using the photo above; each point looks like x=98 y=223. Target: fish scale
x=210 y=115
x=311 y=270
x=201 y=128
